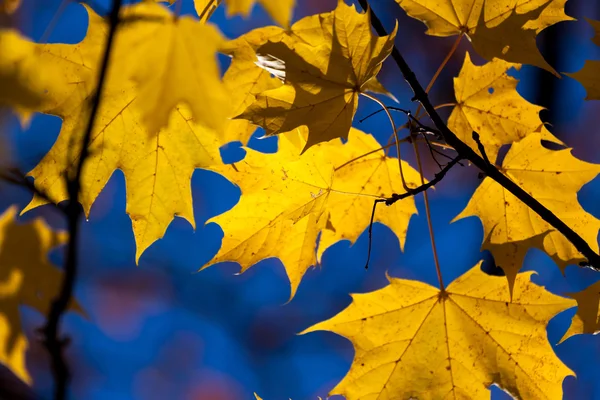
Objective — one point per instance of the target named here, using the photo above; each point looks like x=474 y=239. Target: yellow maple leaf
x=279 y=10
x=587 y=318
x=172 y=60
x=243 y=80
x=326 y=62
x=551 y=177
x=414 y=341
x=488 y=103
x=23 y=77
x=504 y=29
x=26 y=278
x=589 y=75
x=287 y=199
x=510 y=41
x=157 y=168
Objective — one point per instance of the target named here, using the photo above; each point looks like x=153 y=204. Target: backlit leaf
x=553 y=178
x=488 y=103
x=326 y=62
x=157 y=168
x=279 y=10
x=287 y=199
x=243 y=80
x=172 y=61
x=587 y=318
x=507 y=28
x=23 y=74
x=26 y=278
x=414 y=341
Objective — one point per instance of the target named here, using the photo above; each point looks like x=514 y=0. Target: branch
x=467 y=153
x=16 y=177
x=52 y=342
x=412 y=192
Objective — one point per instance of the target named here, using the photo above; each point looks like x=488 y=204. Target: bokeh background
x=161 y=330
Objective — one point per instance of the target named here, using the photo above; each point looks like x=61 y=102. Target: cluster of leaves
x=164 y=110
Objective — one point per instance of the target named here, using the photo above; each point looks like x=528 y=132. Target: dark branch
x=466 y=152
x=480 y=147
x=53 y=343
x=16 y=177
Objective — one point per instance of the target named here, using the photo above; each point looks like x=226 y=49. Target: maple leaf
x=157 y=168
x=587 y=318
x=589 y=75
x=510 y=41
x=326 y=62
x=287 y=199
x=170 y=65
x=504 y=29
x=22 y=78
x=551 y=177
x=414 y=341
x=26 y=278
x=487 y=102
x=279 y=10
x=243 y=80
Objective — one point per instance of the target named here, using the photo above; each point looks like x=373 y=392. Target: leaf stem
x=397 y=142
x=429 y=223
x=52 y=342
x=467 y=153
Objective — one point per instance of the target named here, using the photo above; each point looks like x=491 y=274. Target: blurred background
x=163 y=331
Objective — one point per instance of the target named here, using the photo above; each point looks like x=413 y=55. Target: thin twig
x=411 y=192
x=16 y=177
x=436 y=259
x=480 y=147
x=52 y=342
x=371 y=230
x=466 y=152
x=395 y=132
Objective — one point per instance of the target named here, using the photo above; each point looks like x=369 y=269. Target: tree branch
x=412 y=192
x=52 y=342
x=466 y=152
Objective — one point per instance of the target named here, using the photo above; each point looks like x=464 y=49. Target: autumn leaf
x=287 y=199
x=413 y=340
x=23 y=75
x=487 y=102
x=326 y=62
x=506 y=30
x=243 y=80
x=279 y=10
x=587 y=318
x=172 y=61
x=26 y=278
x=510 y=41
x=157 y=168
x=589 y=75
x=553 y=178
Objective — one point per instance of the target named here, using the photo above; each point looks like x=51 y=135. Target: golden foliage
x=168 y=63
x=505 y=29
x=157 y=167
x=326 y=62
x=26 y=278
x=414 y=341
x=288 y=199
x=510 y=226
x=488 y=103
